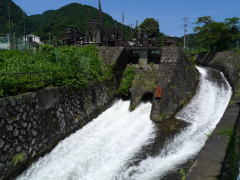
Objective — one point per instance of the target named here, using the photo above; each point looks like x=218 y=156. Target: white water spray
x=203 y=112
x=103 y=148
x=100 y=149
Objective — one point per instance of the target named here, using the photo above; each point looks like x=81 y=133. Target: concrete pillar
x=143 y=57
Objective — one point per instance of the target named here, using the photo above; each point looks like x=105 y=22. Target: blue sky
x=170 y=13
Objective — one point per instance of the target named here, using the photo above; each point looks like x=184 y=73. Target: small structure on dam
x=172 y=72
x=144 y=55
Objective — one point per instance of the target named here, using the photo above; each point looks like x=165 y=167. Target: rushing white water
x=203 y=112
x=100 y=149
x=103 y=148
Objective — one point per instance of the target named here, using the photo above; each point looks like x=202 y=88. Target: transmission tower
x=123 y=28
x=100 y=14
x=136 y=24
x=185 y=19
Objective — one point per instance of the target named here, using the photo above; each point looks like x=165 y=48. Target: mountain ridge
x=54 y=22
x=74 y=14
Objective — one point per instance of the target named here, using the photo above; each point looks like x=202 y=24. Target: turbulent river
x=105 y=148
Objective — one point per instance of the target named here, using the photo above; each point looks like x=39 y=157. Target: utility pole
x=185 y=19
x=157 y=33
x=116 y=34
x=138 y=32
x=9 y=26
x=24 y=27
x=136 y=24
x=100 y=20
x=123 y=19
x=49 y=38
x=131 y=31
x=9 y=19
x=100 y=14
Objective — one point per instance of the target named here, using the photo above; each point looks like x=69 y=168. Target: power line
x=172 y=28
x=170 y=22
x=9 y=19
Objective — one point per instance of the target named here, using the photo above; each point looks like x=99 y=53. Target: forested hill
x=56 y=21
x=17 y=17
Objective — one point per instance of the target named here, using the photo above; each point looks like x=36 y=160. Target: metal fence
x=11 y=43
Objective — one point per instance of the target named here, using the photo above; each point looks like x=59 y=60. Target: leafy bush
x=126 y=82
x=62 y=66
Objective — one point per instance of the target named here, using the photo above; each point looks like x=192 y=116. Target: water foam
x=100 y=149
x=103 y=148
x=203 y=112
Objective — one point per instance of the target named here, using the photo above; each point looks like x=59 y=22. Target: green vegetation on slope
x=53 y=22
x=63 y=66
x=17 y=17
x=76 y=15
x=126 y=82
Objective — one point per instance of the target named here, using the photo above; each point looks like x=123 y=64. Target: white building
x=4 y=43
x=31 y=38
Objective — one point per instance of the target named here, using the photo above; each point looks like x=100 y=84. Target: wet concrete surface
x=208 y=163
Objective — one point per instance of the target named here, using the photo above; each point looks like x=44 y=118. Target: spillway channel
x=104 y=148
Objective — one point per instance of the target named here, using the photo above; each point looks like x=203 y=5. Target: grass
x=226 y=132
x=231 y=163
x=182 y=174
x=18 y=158
x=237 y=93
x=62 y=66
x=164 y=116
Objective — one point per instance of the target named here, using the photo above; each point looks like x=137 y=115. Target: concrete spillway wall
x=220 y=156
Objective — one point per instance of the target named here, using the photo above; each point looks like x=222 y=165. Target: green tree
x=150 y=27
x=212 y=35
x=233 y=25
x=8 y=7
x=204 y=20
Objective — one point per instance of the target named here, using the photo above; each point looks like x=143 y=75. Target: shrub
x=126 y=82
x=62 y=66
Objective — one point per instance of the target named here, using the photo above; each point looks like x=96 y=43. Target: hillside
x=56 y=21
x=17 y=17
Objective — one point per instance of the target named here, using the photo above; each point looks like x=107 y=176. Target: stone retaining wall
x=33 y=123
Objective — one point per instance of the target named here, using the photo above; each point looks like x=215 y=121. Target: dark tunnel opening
x=147 y=97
